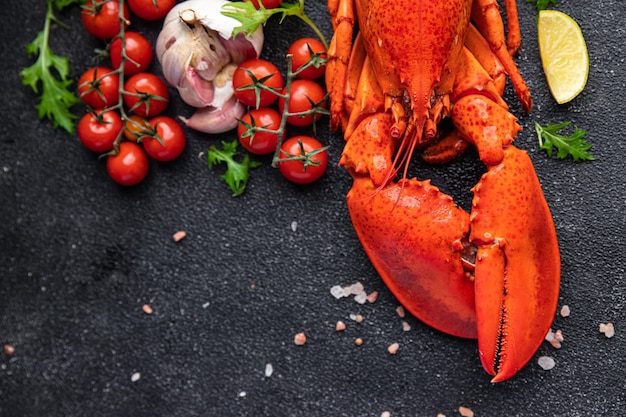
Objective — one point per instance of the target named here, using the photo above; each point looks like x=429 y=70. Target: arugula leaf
x=48 y=76
x=251 y=18
x=542 y=4
x=574 y=145
x=237 y=173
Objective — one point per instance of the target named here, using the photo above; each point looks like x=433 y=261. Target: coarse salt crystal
x=135 y=377
x=393 y=348
x=372 y=297
x=466 y=412
x=354 y=289
x=180 y=235
x=558 y=335
x=299 y=339
x=9 y=350
x=294 y=226
x=337 y=291
x=269 y=370
x=406 y=326
x=400 y=311
x=358 y=341
x=565 y=311
x=242 y=394
x=549 y=336
x=546 y=362
x=608 y=329
x=361 y=297
x=340 y=326
x=147 y=309
x=385 y=414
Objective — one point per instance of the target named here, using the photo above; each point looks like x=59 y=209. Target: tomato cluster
x=125 y=100
x=301 y=101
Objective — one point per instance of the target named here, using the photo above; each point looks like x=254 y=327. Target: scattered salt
x=242 y=394
x=385 y=414
x=549 y=336
x=294 y=226
x=337 y=291
x=546 y=362
x=358 y=341
x=466 y=412
x=147 y=309
x=565 y=311
x=180 y=235
x=135 y=377
x=372 y=297
x=361 y=297
x=393 y=348
x=9 y=350
x=340 y=326
x=406 y=326
x=400 y=311
x=608 y=329
x=299 y=339
x=269 y=370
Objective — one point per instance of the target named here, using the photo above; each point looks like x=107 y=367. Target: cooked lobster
x=397 y=69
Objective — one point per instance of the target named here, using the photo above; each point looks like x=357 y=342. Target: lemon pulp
x=563 y=54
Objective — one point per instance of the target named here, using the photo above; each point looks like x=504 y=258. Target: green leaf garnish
x=237 y=173
x=575 y=145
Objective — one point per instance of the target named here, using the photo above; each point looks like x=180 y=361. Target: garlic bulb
x=199 y=56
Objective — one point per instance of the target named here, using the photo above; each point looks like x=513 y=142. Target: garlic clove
x=217 y=120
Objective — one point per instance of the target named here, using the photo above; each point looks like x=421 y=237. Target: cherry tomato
x=263 y=71
x=129 y=166
x=302 y=51
x=308 y=169
x=259 y=142
x=146 y=94
x=101 y=18
x=304 y=96
x=151 y=9
x=171 y=134
x=268 y=4
x=98 y=87
x=97 y=131
x=136 y=127
x=138 y=50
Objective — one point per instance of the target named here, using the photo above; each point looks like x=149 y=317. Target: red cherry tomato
x=146 y=94
x=268 y=4
x=171 y=134
x=263 y=71
x=259 y=142
x=98 y=87
x=98 y=131
x=151 y=9
x=302 y=51
x=304 y=96
x=138 y=51
x=101 y=18
x=136 y=127
x=129 y=166
x=308 y=169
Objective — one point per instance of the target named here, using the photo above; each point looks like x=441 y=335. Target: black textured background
x=80 y=256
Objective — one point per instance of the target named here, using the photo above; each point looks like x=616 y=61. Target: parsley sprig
x=574 y=145
x=48 y=75
x=237 y=173
x=251 y=18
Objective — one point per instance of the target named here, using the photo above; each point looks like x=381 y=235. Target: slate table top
x=81 y=256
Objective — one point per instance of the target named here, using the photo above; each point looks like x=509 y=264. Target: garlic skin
x=198 y=57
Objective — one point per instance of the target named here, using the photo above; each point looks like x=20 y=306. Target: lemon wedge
x=563 y=54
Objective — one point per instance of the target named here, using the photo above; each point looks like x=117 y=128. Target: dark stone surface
x=80 y=256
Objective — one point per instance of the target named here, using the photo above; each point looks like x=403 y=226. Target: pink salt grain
x=466 y=412
x=340 y=326
x=300 y=339
x=147 y=309
x=565 y=311
x=372 y=297
x=393 y=348
x=178 y=236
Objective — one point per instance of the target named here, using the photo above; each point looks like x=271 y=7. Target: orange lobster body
x=492 y=273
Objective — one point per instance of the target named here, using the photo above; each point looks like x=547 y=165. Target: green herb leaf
x=47 y=76
x=251 y=18
x=237 y=173
x=574 y=145
x=62 y=4
x=542 y=4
